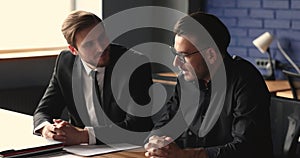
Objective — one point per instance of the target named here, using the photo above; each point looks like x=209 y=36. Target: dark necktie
x=96 y=86
x=97 y=100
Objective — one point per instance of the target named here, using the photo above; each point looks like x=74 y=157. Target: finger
x=168 y=142
x=59 y=138
x=57 y=130
x=49 y=135
x=156 y=137
x=166 y=147
x=148 y=155
x=158 y=143
x=169 y=139
x=147 y=146
x=57 y=120
x=62 y=125
x=60 y=122
x=60 y=132
x=158 y=152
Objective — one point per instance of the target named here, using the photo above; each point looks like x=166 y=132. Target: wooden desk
x=167 y=74
x=276 y=87
x=20 y=126
x=138 y=153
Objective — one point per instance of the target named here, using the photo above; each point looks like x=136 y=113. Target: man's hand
x=64 y=132
x=73 y=135
x=51 y=131
x=164 y=147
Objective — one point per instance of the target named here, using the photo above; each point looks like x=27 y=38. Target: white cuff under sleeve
x=40 y=126
x=92 y=137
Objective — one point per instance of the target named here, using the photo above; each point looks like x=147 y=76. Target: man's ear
x=73 y=50
x=211 y=55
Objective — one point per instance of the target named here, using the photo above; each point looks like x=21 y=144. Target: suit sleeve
x=52 y=103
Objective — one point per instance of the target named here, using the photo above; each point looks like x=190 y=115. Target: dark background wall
x=247 y=19
x=24 y=80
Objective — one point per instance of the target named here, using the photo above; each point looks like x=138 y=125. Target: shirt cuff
x=92 y=137
x=40 y=126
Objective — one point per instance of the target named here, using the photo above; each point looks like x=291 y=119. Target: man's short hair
x=75 y=22
x=213 y=25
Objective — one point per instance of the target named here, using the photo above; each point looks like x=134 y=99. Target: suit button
x=190 y=133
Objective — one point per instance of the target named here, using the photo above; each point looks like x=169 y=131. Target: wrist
x=42 y=131
x=195 y=153
x=85 y=136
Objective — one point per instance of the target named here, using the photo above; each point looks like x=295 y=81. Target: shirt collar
x=203 y=85
x=89 y=70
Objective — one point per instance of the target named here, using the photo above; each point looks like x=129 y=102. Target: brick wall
x=247 y=19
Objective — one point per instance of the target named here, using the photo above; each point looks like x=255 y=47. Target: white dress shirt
x=87 y=85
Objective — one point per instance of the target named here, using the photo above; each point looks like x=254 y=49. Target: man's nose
x=177 y=62
x=100 y=47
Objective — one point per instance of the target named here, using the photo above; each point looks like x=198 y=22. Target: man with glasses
x=242 y=128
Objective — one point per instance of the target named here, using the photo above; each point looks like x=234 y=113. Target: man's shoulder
x=65 y=56
x=118 y=48
x=117 y=51
x=65 y=61
x=242 y=64
x=244 y=69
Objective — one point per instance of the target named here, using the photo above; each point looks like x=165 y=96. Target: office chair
x=294 y=81
x=285 y=127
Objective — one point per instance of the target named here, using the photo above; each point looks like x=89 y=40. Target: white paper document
x=90 y=150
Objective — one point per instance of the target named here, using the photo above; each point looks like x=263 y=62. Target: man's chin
x=188 y=77
x=103 y=63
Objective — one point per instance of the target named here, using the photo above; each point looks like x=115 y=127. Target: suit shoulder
x=245 y=69
x=65 y=56
x=117 y=51
x=64 y=60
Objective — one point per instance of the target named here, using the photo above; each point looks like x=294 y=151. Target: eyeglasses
x=181 y=55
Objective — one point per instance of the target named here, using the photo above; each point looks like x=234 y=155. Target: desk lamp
x=262 y=43
x=287 y=57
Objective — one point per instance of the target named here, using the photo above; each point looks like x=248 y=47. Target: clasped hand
x=162 y=147
x=165 y=147
x=64 y=132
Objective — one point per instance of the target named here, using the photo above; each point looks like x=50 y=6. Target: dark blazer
x=64 y=86
x=242 y=130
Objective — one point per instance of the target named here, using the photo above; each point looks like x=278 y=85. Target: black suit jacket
x=242 y=129
x=64 y=86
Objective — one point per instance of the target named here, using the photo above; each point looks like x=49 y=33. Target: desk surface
x=139 y=153
x=277 y=87
x=20 y=128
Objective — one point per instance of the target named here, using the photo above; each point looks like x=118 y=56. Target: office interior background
x=31 y=37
